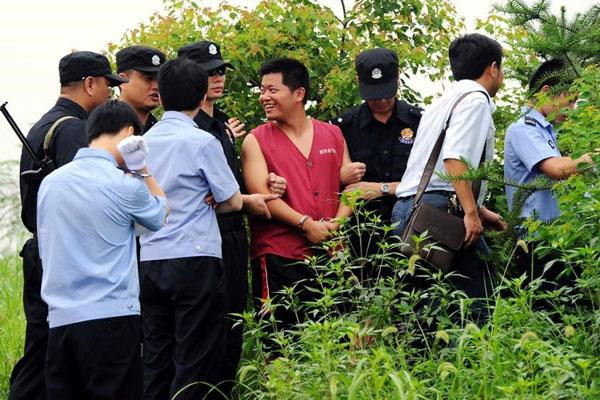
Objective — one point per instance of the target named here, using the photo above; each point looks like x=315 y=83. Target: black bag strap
x=437 y=149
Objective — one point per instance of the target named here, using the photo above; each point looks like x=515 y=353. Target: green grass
x=12 y=319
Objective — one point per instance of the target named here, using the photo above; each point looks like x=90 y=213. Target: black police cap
x=205 y=53
x=377 y=71
x=140 y=58
x=81 y=64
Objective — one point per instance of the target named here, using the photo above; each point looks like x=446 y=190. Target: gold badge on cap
x=155 y=60
x=212 y=49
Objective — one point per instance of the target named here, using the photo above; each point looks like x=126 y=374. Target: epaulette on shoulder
x=416 y=111
x=529 y=120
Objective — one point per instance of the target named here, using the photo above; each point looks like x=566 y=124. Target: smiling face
x=141 y=92
x=277 y=99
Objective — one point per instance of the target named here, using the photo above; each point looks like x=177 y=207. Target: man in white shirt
x=476 y=66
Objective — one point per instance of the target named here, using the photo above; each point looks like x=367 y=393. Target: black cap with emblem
x=141 y=58
x=377 y=71
x=78 y=65
x=205 y=53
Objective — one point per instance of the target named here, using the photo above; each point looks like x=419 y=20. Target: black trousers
x=235 y=288
x=183 y=319
x=27 y=377
x=96 y=360
x=272 y=274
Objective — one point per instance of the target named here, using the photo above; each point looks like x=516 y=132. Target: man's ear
x=494 y=69
x=88 y=85
x=545 y=89
x=300 y=93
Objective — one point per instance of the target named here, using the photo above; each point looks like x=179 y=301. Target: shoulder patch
x=529 y=121
x=345 y=118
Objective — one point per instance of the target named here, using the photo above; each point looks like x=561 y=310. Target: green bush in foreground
x=12 y=320
x=384 y=340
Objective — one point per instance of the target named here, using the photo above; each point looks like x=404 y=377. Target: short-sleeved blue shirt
x=187 y=163
x=529 y=141
x=85 y=226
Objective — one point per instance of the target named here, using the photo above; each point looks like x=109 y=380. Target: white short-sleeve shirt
x=471 y=129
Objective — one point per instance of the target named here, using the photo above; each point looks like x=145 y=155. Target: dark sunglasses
x=217 y=71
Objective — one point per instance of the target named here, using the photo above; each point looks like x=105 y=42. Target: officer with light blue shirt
x=530 y=140
x=531 y=151
x=85 y=223
x=181 y=273
x=530 y=146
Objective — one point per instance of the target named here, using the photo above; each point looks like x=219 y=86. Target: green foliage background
x=521 y=353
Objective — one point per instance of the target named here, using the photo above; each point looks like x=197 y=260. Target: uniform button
x=198 y=248
x=385 y=152
x=387 y=174
x=309 y=163
x=316 y=193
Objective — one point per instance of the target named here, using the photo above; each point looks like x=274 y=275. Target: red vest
x=313 y=186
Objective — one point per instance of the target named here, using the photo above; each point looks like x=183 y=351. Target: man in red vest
x=308 y=154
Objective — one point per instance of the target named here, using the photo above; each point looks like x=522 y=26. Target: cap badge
x=407 y=136
x=155 y=60
x=376 y=74
x=212 y=49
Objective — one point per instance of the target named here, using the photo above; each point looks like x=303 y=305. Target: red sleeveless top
x=313 y=186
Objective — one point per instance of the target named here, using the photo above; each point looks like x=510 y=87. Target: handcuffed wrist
x=302 y=221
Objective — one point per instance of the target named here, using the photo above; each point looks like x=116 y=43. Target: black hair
x=182 y=84
x=109 y=118
x=552 y=73
x=294 y=74
x=471 y=54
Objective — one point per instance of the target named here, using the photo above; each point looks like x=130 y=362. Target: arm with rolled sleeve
x=221 y=180
x=148 y=210
x=465 y=138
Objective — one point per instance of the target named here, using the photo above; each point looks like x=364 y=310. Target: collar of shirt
x=149 y=122
x=95 y=152
x=366 y=116
x=535 y=114
x=204 y=121
x=468 y=85
x=74 y=109
x=179 y=116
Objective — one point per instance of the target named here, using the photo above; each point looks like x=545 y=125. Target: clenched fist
x=134 y=150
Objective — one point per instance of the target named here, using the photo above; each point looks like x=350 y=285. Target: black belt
x=446 y=193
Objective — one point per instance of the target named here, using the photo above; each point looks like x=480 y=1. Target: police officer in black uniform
x=231 y=225
x=140 y=64
x=85 y=79
x=379 y=134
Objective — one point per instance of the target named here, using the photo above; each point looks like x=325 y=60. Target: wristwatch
x=385 y=188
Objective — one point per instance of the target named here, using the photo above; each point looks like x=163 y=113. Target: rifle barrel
x=20 y=135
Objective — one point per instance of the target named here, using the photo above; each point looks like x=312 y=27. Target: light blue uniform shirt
x=529 y=141
x=85 y=226
x=188 y=163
